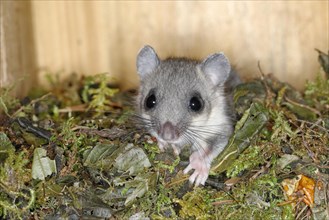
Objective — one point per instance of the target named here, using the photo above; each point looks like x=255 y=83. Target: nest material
x=76 y=152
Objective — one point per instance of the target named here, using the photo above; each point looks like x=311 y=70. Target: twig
x=183 y=179
x=224 y=159
x=269 y=94
x=262 y=170
x=285 y=203
x=301 y=212
x=304 y=106
x=311 y=153
x=223 y=202
x=31 y=103
x=316 y=124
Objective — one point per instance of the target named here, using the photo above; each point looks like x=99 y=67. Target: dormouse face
x=177 y=93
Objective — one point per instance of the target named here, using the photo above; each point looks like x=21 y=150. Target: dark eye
x=195 y=104
x=150 y=101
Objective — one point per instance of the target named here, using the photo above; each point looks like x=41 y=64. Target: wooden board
x=90 y=37
x=17 y=50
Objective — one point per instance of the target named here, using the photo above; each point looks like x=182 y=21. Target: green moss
x=14 y=176
x=100 y=97
x=275 y=121
x=258 y=198
x=152 y=150
x=7 y=102
x=164 y=200
x=317 y=92
x=281 y=128
x=250 y=159
x=195 y=205
x=169 y=167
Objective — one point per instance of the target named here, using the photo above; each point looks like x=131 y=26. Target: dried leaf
x=286 y=159
x=139 y=216
x=140 y=185
x=97 y=154
x=141 y=188
x=324 y=61
x=246 y=129
x=5 y=147
x=290 y=186
x=133 y=160
x=307 y=185
x=42 y=165
x=319 y=209
x=303 y=184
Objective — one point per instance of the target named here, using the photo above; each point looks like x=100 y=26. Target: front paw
x=201 y=165
x=162 y=145
x=176 y=149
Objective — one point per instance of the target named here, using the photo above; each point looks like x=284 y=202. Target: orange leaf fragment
x=307 y=185
x=299 y=188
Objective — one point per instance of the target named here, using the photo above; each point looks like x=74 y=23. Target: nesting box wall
x=17 y=51
x=90 y=37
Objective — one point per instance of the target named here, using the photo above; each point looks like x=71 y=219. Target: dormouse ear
x=147 y=61
x=217 y=67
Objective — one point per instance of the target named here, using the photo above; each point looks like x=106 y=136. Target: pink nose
x=168 y=131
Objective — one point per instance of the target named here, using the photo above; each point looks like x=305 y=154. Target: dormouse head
x=177 y=94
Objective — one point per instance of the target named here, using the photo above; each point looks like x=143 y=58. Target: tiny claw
x=203 y=179
x=162 y=146
x=176 y=150
x=199 y=178
x=201 y=169
x=187 y=169
x=193 y=177
x=198 y=181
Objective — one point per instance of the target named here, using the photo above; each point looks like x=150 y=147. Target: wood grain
x=90 y=37
x=17 y=51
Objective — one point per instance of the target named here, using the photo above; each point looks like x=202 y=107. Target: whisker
x=196 y=143
x=193 y=140
x=222 y=129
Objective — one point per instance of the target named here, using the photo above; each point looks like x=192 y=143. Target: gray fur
x=174 y=81
x=147 y=61
x=215 y=64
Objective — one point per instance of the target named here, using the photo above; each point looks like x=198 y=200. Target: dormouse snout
x=168 y=132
